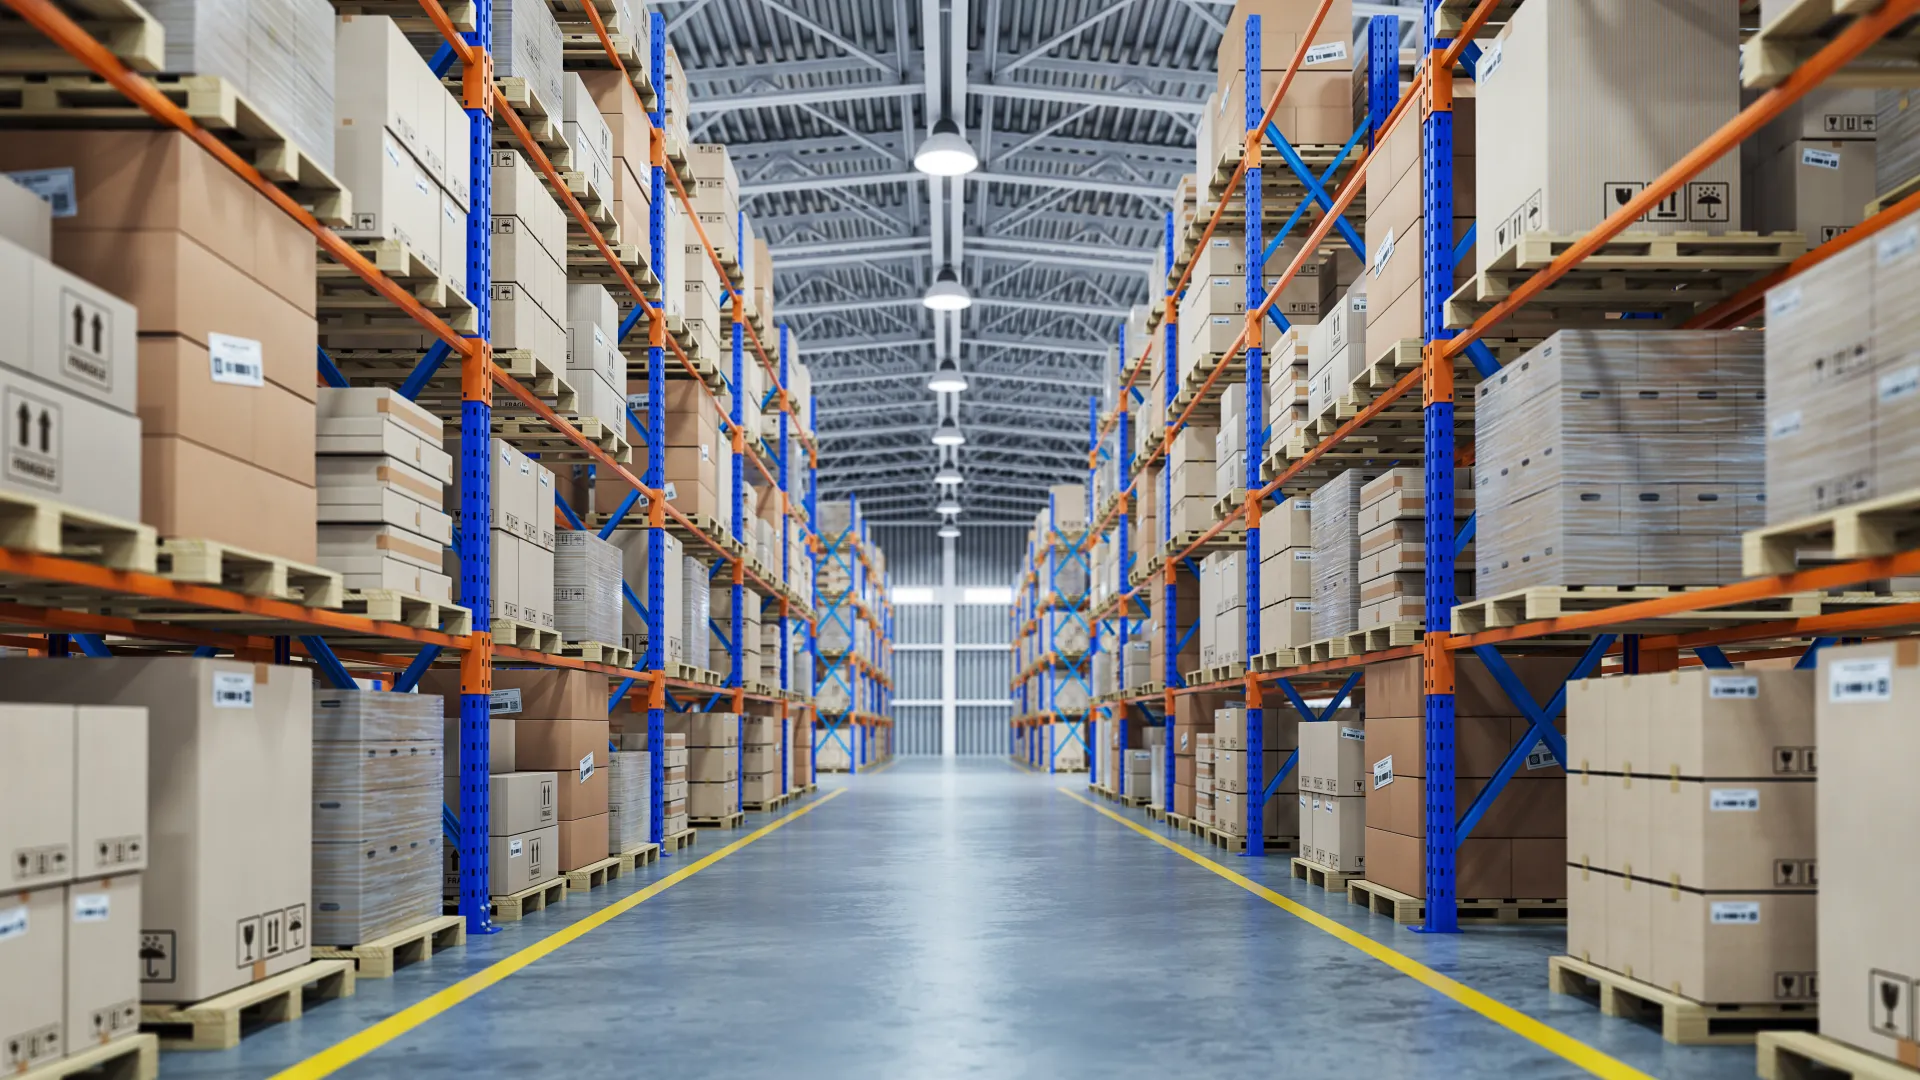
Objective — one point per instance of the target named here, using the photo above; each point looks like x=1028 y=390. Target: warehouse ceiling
x=1083 y=114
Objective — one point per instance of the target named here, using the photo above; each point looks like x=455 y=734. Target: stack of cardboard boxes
x=80 y=394
x=595 y=366
x=1279 y=733
x=676 y=787
x=522 y=537
x=73 y=820
x=1333 y=792
x=1190 y=473
x=1393 y=550
x=1840 y=380
x=570 y=740
x=1318 y=105
x=1690 y=832
x=378 y=768
x=278 y=54
x=633 y=545
x=1337 y=350
x=720 y=658
x=1335 y=514
x=382 y=473
x=631 y=175
x=1519 y=847
x=1203 y=759
x=713 y=762
x=1286 y=575
x=698 y=469
x=1395 y=231
x=227 y=759
x=1223 y=609
x=587 y=601
x=403 y=148
x=529 y=295
x=1614 y=457
x=1192 y=732
x=629 y=799
x=590 y=138
x=761 y=777
x=1814 y=169
x=1289 y=365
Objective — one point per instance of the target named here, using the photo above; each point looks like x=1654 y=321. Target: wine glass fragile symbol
x=1889 y=998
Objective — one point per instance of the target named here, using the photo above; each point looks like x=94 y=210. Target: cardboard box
x=1394 y=688
x=37 y=794
x=583 y=840
x=514 y=862
x=1333 y=758
x=33 y=955
x=110 y=790
x=26 y=219
x=713 y=764
x=221 y=402
x=583 y=791
x=1735 y=948
x=553 y=745
x=544 y=695
x=229 y=784
x=191 y=491
x=713 y=800
x=706 y=729
x=1733 y=837
x=103 y=964
x=1483 y=868
x=1819 y=188
x=1587 y=891
x=1340 y=832
x=500 y=743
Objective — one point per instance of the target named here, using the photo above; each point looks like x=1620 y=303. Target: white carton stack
x=529 y=260
x=278 y=54
x=378 y=783
x=1230 y=441
x=1814 y=169
x=1336 y=554
x=592 y=141
x=586 y=587
x=701 y=303
x=527 y=44
x=633 y=560
x=522 y=537
x=716 y=199
x=1289 y=363
x=595 y=365
x=1286 y=575
x=382 y=475
x=629 y=799
x=1392 y=566
x=696 y=610
x=1190 y=471
x=1337 y=351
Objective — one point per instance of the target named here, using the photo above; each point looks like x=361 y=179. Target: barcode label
x=1898 y=244
x=513 y=848
x=232 y=690
x=1746 y=687
x=1354 y=733
x=504 y=702
x=1851 y=681
x=1819 y=159
x=1383 y=772
x=1744 y=912
x=1899 y=384
x=54 y=186
x=1784 y=425
x=1381 y=256
x=586 y=767
x=1489 y=62
x=1303 y=605
x=1741 y=799
x=92 y=907
x=236 y=360
x=13 y=923
x=1328 y=53
x=1541 y=756
x=1303 y=555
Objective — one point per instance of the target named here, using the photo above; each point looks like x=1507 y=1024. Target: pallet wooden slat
x=135 y=1057
x=1803 y=1055
x=209 y=562
x=1325 y=877
x=379 y=958
x=516 y=906
x=593 y=875
x=46 y=527
x=124 y=27
x=635 y=857
x=683 y=839
x=1803 y=28
x=1552 y=601
x=1682 y=1020
x=219 y=1022
x=595 y=652
x=1412 y=911
x=725 y=821
x=1863 y=530
x=391 y=605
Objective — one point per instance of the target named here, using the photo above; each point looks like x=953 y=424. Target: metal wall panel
x=988 y=554
x=917 y=730
x=982 y=674
x=916 y=624
x=913 y=553
x=917 y=674
x=981 y=730
x=983 y=624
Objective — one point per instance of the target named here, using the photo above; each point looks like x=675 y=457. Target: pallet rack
x=1604 y=635
x=861 y=606
x=1055 y=642
x=270 y=628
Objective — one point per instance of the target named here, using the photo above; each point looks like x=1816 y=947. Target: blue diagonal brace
x=1314 y=189
x=424 y=371
x=442 y=61
x=1280 y=774
x=1539 y=724
x=410 y=678
x=93 y=645
x=566 y=511
x=1483 y=359
x=1811 y=658
x=619 y=513
x=1466 y=534
x=1286 y=228
x=329 y=664
x=206 y=652
x=633 y=601
x=330 y=371
x=619 y=693
x=1711 y=656
x=1465 y=247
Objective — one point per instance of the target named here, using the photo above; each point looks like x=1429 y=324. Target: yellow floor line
x=877 y=768
x=359 y=1045
x=1548 y=1038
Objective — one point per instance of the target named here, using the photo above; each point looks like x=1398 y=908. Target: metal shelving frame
x=1038 y=616
x=479 y=380
x=1431 y=94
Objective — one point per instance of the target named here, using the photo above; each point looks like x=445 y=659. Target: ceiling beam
x=845 y=345
x=982 y=376
x=1113 y=99
x=1069 y=183
x=984 y=429
x=1056 y=307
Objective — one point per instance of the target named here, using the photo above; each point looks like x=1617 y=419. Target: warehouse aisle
x=961 y=919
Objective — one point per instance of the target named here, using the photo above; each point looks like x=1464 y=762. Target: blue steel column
x=1436 y=275
x=736 y=646
x=1256 y=292
x=1383 y=71
x=1170 y=363
x=1085 y=548
x=1123 y=460
x=476 y=503
x=656 y=474
x=786 y=571
x=813 y=580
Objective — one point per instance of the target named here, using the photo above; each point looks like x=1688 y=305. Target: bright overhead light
x=946 y=377
x=946 y=293
x=948 y=505
x=948 y=433
x=949 y=531
x=948 y=474
x=946 y=152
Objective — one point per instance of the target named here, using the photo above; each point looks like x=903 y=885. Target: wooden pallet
x=379 y=958
x=1231 y=538
x=1804 y=28
x=635 y=857
x=1893 y=195
x=122 y=26
x=409 y=15
x=516 y=906
x=135 y=1057
x=209 y=562
x=1682 y=1020
x=689 y=673
x=346 y=302
x=1803 y=1055
x=685 y=838
x=524 y=635
x=219 y=1022
x=593 y=875
x=1412 y=911
x=1229 y=842
x=1219 y=673
x=773 y=804
x=594 y=652
x=1326 y=877
x=391 y=605
x=543 y=119
x=46 y=527
x=597 y=204
x=1673 y=276
x=587 y=264
x=1551 y=601
x=541 y=438
x=734 y=820
x=1876 y=527
x=89 y=101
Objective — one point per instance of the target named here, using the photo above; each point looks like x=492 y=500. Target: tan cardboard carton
x=499 y=744
x=1587 y=892
x=32 y=969
x=513 y=862
x=1333 y=757
x=706 y=729
x=519 y=802
x=583 y=840
x=1734 y=948
x=226 y=892
x=1629 y=925
x=110 y=790
x=542 y=695
x=1732 y=836
x=103 y=960
x=713 y=800
x=582 y=792
x=1340 y=832
x=37 y=795
x=579 y=746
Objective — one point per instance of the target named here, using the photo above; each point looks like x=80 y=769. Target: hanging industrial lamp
x=948 y=505
x=946 y=152
x=946 y=293
x=949 y=475
x=946 y=377
x=949 y=531
x=948 y=433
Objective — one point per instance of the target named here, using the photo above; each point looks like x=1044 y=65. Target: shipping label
x=1541 y=756
x=1736 y=799
x=54 y=186
x=504 y=702
x=1744 y=687
x=1354 y=733
x=14 y=923
x=236 y=360
x=1897 y=243
x=1740 y=912
x=232 y=690
x=1819 y=159
x=513 y=847
x=1490 y=58
x=1328 y=53
x=1383 y=772
x=92 y=907
x=1854 y=681
x=586 y=767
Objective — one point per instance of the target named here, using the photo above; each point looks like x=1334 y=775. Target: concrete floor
x=953 y=919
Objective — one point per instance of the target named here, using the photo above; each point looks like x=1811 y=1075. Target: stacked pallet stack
x=761 y=778
x=1691 y=841
x=596 y=368
x=383 y=477
x=1336 y=514
x=529 y=295
x=713 y=764
x=72 y=898
x=1395 y=227
x=1279 y=731
x=377 y=852
x=1392 y=571
x=586 y=588
x=1193 y=733
x=1332 y=797
x=522 y=536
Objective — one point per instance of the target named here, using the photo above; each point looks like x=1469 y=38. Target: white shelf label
x=236 y=360
x=1745 y=687
x=232 y=690
x=1328 y=53
x=1745 y=800
x=1744 y=912
x=504 y=702
x=586 y=767
x=1383 y=772
x=1852 y=681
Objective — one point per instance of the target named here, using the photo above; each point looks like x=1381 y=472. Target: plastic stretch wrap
x=1896 y=158
x=696 y=609
x=1336 y=553
x=633 y=560
x=277 y=53
x=378 y=777
x=629 y=813
x=1611 y=457
x=527 y=45
x=586 y=587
